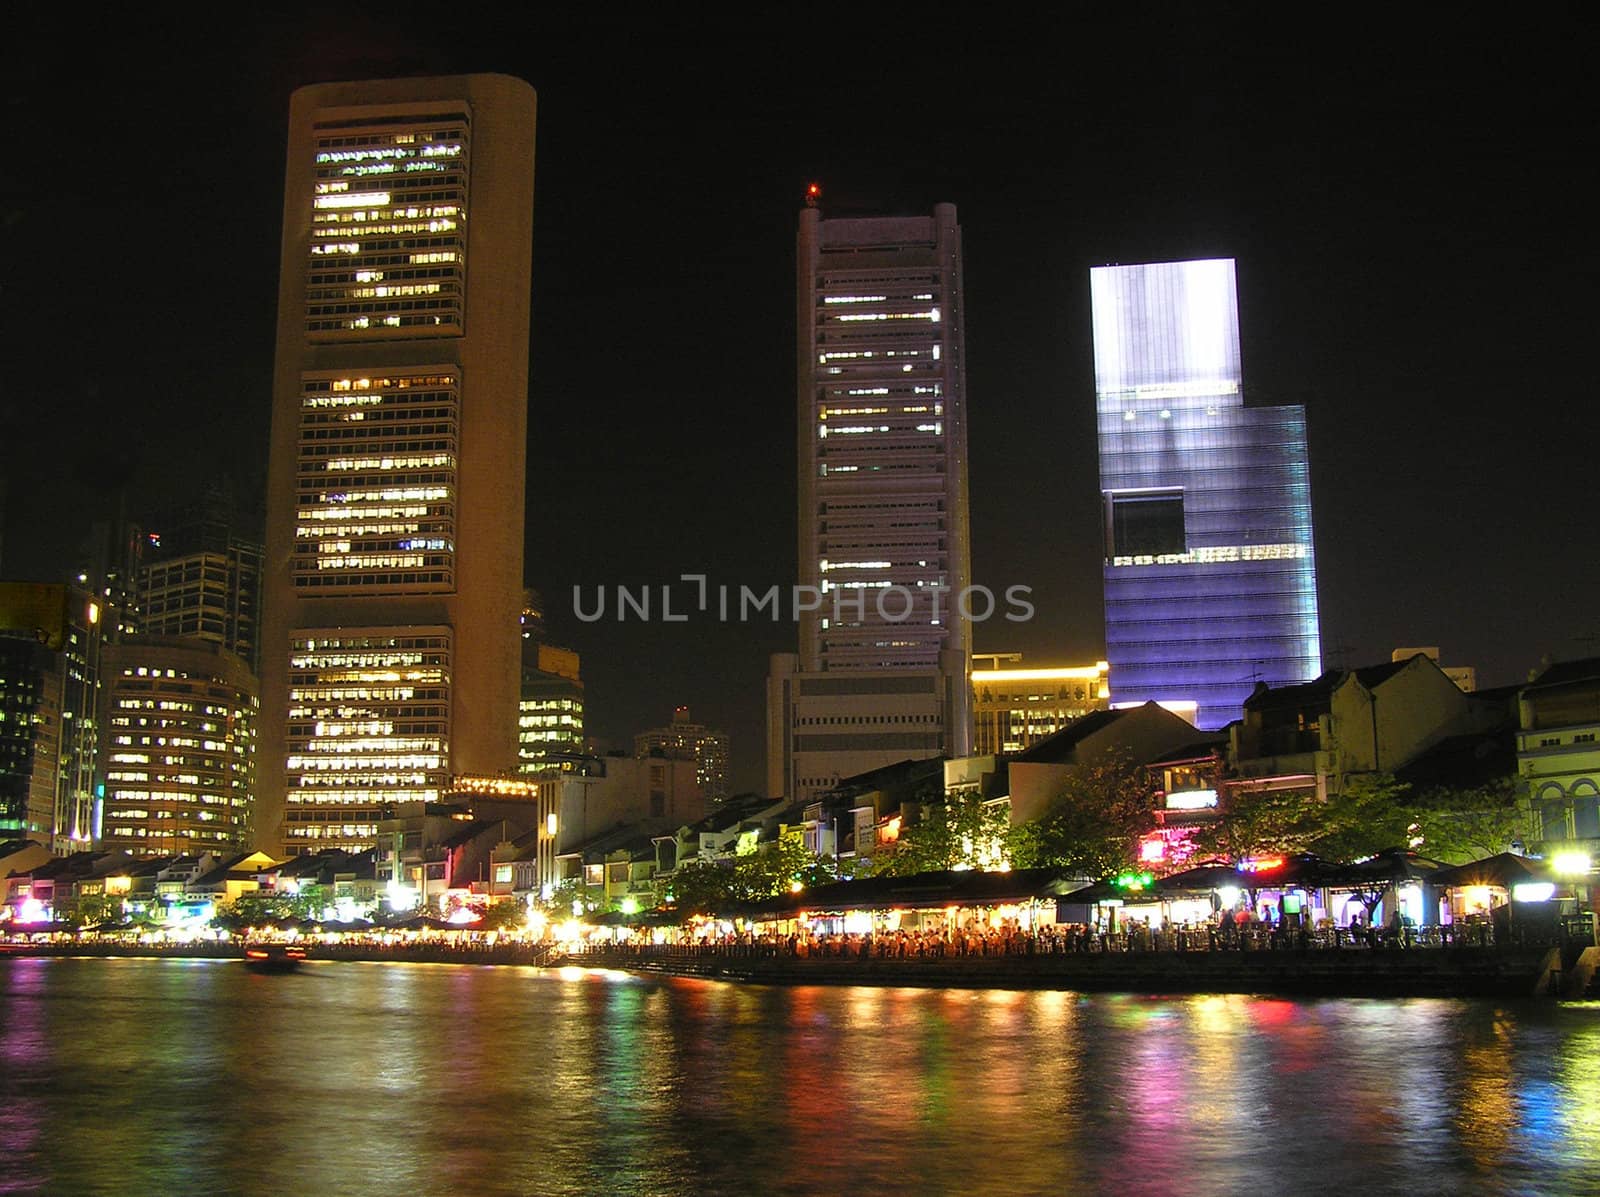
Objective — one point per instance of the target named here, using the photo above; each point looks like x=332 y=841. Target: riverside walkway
x=1169 y=962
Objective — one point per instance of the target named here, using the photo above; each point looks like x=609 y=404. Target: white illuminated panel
x=1166 y=333
x=1192 y=800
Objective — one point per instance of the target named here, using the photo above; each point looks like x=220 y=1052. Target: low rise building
x=1558 y=755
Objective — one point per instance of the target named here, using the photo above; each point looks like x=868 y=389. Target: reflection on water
x=146 y=1075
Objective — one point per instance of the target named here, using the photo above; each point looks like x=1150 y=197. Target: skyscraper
x=1210 y=580
x=199 y=575
x=684 y=738
x=178 y=743
x=393 y=573
x=881 y=674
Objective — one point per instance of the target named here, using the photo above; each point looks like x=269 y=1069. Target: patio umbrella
x=1505 y=870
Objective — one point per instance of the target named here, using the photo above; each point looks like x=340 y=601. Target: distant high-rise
x=1210 y=580
x=393 y=572
x=686 y=739
x=883 y=533
x=550 y=711
x=178 y=744
x=50 y=645
x=1016 y=706
x=199 y=575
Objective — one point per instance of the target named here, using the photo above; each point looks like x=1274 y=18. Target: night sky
x=1403 y=202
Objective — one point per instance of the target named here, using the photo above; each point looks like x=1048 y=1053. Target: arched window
x=1585 y=810
x=1552 y=806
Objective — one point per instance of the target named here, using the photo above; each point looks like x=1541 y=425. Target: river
x=172 y=1076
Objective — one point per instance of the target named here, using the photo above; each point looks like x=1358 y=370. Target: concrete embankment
x=1465 y=972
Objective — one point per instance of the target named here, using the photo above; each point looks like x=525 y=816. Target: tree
x=701 y=887
x=1259 y=822
x=504 y=916
x=953 y=830
x=1371 y=813
x=1462 y=824
x=1092 y=826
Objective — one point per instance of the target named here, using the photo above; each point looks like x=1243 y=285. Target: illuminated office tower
x=685 y=739
x=883 y=534
x=550 y=712
x=50 y=646
x=177 y=739
x=200 y=575
x=393 y=572
x=1014 y=707
x=1210 y=582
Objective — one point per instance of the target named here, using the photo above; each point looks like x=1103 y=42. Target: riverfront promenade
x=1462 y=970
x=1458 y=970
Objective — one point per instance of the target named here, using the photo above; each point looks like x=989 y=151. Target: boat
x=273 y=957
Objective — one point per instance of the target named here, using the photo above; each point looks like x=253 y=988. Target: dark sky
x=1403 y=202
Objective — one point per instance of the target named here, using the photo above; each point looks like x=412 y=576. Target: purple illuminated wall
x=1210 y=578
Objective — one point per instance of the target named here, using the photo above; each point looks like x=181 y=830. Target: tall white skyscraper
x=881 y=674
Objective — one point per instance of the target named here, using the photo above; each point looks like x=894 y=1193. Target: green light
x=630 y=906
x=1134 y=880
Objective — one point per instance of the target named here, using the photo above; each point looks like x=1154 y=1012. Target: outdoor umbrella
x=1505 y=870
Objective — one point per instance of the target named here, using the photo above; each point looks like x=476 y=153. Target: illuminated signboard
x=1192 y=800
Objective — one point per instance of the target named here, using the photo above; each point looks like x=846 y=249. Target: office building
x=1210 y=579
x=393 y=578
x=550 y=711
x=883 y=532
x=178 y=746
x=1014 y=707
x=199 y=575
x=684 y=738
x=50 y=645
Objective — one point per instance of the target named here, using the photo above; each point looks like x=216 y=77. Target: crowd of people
x=979 y=939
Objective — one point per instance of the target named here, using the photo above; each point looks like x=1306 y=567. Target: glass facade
x=1210 y=578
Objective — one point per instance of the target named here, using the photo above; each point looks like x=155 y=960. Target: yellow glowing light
x=1571 y=864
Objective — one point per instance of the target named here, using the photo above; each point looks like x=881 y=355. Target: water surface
x=157 y=1076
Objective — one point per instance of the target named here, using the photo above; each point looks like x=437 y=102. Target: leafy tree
x=701 y=887
x=1092 y=827
x=561 y=901
x=952 y=830
x=775 y=868
x=1371 y=813
x=1259 y=822
x=1458 y=825
x=504 y=916
x=94 y=909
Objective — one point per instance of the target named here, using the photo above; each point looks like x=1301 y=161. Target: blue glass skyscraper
x=1210 y=581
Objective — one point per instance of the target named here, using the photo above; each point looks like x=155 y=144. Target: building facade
x=395 y=499
x=50 y=646
x=1210 y=578
x=883 y=525
x=1558 y=755
x=199 y=575
x=684 y=738
x=1015 y=707
x=178 y=730
x=550 y=711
